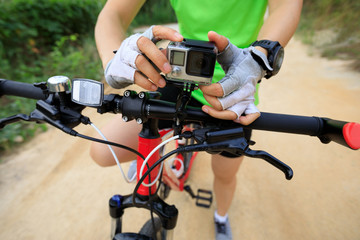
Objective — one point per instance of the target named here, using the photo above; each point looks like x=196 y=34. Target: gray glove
x=120 y=71
x=242 y=74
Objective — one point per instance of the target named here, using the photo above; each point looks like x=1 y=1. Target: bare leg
x=225 y=170
x=120 y=132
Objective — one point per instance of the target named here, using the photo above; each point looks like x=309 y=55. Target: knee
x=225 y=169
x=102 y=155
x=98 y=157
x=119 y=132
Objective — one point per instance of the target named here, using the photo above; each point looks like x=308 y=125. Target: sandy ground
x=51 y=189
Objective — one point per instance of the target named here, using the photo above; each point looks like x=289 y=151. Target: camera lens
x=200 y=63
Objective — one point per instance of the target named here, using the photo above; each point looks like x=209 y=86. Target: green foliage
x=43 y=38
x=73 y=60
x=339 y=20
x=155 y=12
x=67 y=57
x=19 y=132
x=31 y=27
x=38 y=35
x=40 y=39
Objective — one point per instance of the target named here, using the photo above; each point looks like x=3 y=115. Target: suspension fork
x=149 y=138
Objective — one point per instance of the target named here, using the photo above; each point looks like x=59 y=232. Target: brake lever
x=61 y=117
x=272 y=160
x=233 y=141
x=14 y=118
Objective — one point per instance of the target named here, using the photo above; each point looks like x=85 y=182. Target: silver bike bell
x=59 y=84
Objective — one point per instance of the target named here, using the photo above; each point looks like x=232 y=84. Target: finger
x=226 y=115
x=146 y=68
x=247 y=119
x=142 y=81
x=251 y=108
x=238 y=95
x=214 y=102
x=163 y=51
x=161 y=32
x=220 y=41
x=214 y=89
x=154 y=54
x=231 y=81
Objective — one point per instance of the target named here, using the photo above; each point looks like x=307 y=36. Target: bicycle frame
x=146 y=143
x=183 y=163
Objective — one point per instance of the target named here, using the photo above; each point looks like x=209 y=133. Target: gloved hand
x=237 y=88
x=124 y=69
x=242 y=75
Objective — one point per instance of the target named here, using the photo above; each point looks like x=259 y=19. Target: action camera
x=191 y=61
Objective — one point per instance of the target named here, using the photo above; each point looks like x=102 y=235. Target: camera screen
x=200 y=63
x=177 y=58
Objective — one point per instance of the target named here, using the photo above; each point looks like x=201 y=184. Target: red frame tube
x=145 y=147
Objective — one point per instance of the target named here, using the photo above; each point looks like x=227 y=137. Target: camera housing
x=191 y=61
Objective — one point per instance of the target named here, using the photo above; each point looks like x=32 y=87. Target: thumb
x=220 y=41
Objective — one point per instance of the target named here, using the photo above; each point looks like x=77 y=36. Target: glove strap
x=262 y=60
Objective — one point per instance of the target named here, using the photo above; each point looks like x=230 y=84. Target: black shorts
x=170 y=93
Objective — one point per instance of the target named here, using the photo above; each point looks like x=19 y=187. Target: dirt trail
x=50 y=189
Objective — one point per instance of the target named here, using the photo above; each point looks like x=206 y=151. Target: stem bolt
x=139 y=121
x=127 y=93
x=141 y=95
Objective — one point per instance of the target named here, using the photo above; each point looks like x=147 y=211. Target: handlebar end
x=289 y=174
x=351 y=133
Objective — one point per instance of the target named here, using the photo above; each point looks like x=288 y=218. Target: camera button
x=176 y=71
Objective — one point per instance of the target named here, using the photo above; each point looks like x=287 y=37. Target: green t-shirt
x=238 y=20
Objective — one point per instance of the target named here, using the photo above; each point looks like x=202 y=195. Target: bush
x=73 y=60
x=19 y=132
x=31 y=27
x=43 y=38
x=40 y=39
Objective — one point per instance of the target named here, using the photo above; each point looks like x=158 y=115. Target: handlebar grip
x=344 y=133
x=351 y=132
x=20 y=89
x=276 y=122
x=327 y=130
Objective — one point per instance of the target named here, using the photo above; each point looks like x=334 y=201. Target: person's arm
x=110 y=31
x=284 y=16
x=112 y=24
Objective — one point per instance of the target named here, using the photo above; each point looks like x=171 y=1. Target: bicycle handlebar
x=327 y=130
x=143 y=106
x=20 y=89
